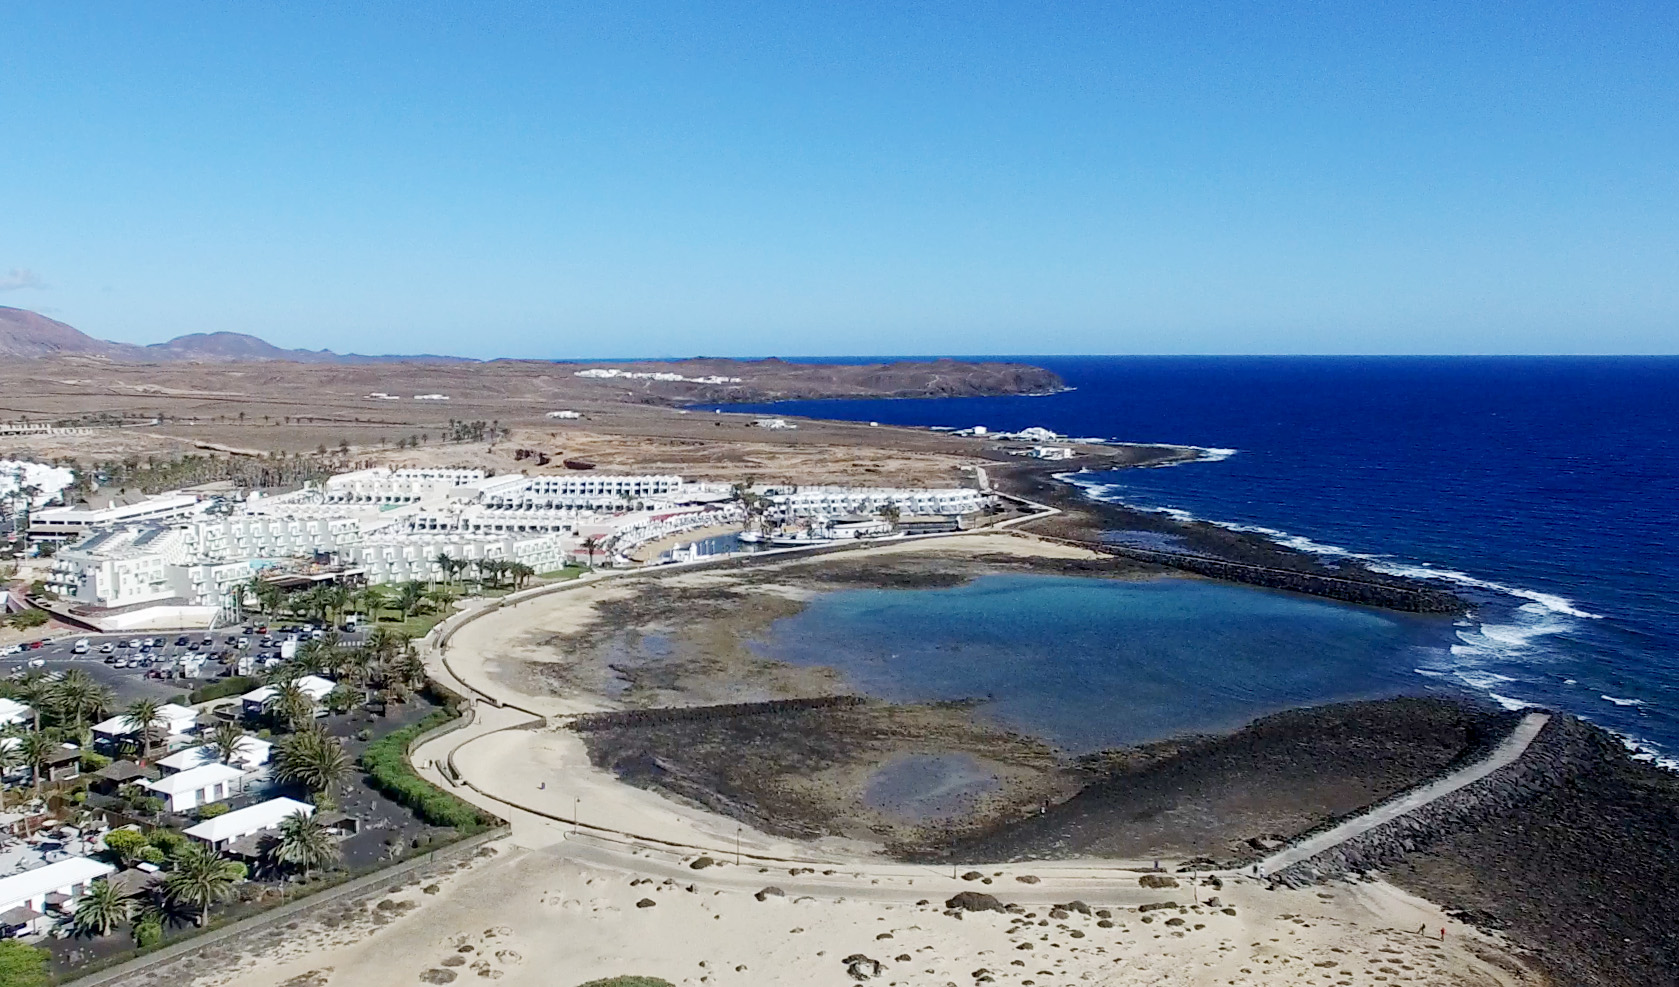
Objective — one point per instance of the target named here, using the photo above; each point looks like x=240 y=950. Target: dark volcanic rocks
x=974 y=901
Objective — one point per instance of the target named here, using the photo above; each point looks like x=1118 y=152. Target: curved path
x=509 y=761
x=1513 y=747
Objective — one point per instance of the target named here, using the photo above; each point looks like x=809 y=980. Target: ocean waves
x=1503 y=653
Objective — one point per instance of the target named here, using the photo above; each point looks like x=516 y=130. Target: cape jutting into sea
x=1542 y=489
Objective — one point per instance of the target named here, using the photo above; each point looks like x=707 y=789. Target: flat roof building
x=220 y=831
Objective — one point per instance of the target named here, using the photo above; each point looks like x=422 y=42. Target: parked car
x=107 y=648
x=10 y=650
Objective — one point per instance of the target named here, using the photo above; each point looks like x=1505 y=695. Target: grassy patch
x=560 y=575
x=386 y=764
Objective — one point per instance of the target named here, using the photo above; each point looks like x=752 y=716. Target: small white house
x=313 y=686
x=12 y=711
x=252 y=753
x=189 y=789
x=174 y=722
x=239 y=823
x=24 y=897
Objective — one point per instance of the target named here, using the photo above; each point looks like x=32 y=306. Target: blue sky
x=554 y=180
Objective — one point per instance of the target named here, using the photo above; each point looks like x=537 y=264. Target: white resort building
x=178 y=559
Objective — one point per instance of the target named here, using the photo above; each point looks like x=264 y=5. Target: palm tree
x=103 y=907
x=268 y=596
x=78 y=698
x=11 y=756
x=319 y=654
x=335 y=598
x=314 y=760
x=589 y=545
x=408 y=597
x=303 y=842
x=200 y=879
x=143 y=714
x=371 y=600
x=225 y=741
x=34 y=750
x=521 y=573
x=291 y=705
x=440 y=597
x=448 y=564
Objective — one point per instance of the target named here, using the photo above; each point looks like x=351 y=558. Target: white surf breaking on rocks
x=1516 y=640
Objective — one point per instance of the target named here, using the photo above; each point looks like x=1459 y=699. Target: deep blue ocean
x=1543 y=489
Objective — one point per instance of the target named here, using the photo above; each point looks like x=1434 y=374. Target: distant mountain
x=26 y=335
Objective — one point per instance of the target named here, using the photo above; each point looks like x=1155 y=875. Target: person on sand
x=1442 y=934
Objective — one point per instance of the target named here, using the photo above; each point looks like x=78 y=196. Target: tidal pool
x=925 y=787
x=1090 y=663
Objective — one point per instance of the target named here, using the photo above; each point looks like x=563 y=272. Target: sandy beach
x=542 y=916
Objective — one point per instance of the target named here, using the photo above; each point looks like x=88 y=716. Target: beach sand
x=534 y=917
x=557 y=906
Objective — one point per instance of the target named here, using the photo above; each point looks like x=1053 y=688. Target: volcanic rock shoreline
x=1217 y=552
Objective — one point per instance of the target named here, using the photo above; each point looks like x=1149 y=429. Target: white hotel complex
x=186 y=556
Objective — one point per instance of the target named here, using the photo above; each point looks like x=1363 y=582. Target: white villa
x=252 y=753
x=240 y=823
x=189 y=789
x=13 y=712
x=313 y=686
x=25 y=897
x=174 y=722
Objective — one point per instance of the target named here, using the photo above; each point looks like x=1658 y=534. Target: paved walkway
x=1507 y=752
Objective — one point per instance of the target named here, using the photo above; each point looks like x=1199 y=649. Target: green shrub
x=151 y=855
x=235 y=685
x=148 y=933
x=125 y=843
x=386 y=764
x=169 y=841
x=22 y=965
x=93 y=761
x=212 y=810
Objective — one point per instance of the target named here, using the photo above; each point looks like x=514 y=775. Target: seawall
x=1562 y=749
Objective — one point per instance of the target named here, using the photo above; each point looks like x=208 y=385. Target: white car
x=11 y=650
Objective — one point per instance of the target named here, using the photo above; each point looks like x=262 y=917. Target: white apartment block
x=837 y=501
x=117 y=568
x=412 y=555
x=61 y=524
x=589 y=491
x=386 y=486
x=252 y=536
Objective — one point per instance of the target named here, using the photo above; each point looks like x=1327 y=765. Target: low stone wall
x=1563 y=748
x=178 y=962
x=587 y=722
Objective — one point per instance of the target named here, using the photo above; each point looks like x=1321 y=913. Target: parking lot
x=151 y=664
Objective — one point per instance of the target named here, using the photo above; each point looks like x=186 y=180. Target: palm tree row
x=487 y=572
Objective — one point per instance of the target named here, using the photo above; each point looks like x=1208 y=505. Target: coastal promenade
x=1507 y=752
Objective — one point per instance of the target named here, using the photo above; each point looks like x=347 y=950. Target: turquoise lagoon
x=1089 y=663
